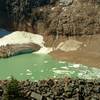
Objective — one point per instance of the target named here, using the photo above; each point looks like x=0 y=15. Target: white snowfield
x=22 y=37
x=44 y=50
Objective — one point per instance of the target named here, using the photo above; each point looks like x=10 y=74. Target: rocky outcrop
x=76 y=19
x=67 y=17
x=64 y=17
x=5 y=21
x=62 y=89
x=16 y=49
x=66 y=2
x=90 y=1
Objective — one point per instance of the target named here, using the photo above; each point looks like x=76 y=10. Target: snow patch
x=44 y=50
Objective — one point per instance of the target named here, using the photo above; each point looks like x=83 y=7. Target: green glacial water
x=36 y=67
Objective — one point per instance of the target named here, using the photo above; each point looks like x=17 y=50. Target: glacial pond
x=38 y=66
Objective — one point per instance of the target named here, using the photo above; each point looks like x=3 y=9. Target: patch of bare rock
x=16 y=49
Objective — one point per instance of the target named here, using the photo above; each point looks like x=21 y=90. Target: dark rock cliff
x=75 y=17
x=4 y=20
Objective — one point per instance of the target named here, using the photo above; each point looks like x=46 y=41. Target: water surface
x=36 y=67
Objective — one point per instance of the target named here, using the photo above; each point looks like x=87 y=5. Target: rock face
x=66 y=2
x=16 y=49
x=5 y=21
x=73 y=20
x=64 y=17
x=90 y=1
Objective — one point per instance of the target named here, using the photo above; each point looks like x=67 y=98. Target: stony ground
x=58 y=89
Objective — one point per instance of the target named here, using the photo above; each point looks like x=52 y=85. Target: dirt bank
x=88 y=54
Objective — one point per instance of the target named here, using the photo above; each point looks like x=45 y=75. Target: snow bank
x=22 y=37
x=44 y=50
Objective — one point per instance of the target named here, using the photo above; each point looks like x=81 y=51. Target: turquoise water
x=36 y=67
x=3 y=32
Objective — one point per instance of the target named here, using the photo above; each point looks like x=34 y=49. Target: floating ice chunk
x=57 y=71
x=62 y=62
x=35 y=80
x=70 y=65
x=98 y=76
x=45 y=61
x=28 y=70
x=54 y=76
x=60 y=71
x=42 y=71
x=72 y=72
x=85 y=67
x=54 y=68
x=28 y=74
x=76 y=65
x=64 y=67
x=32 y=77
x=80 y=74
x=8 y=77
